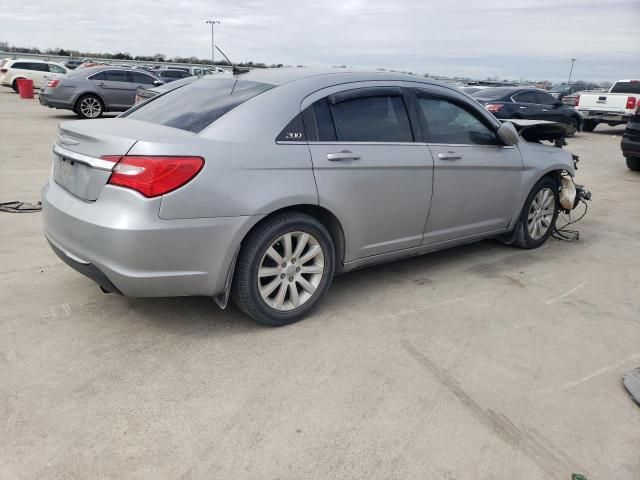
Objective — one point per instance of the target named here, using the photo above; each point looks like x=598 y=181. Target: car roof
x=31 y=60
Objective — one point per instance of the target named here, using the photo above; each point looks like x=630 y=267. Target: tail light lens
x=493 y=107
x=577 y=100
x=153 y=176
x=3 y=70
x=53 y=83
x=631 y=103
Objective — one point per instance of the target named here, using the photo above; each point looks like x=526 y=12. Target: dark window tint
x=526 y=97
x=141 y=78
x=371 y=119
x=450 y=123
x=294 y=131
x=545 y=99
x=324 y=121
x=199 y=104
x=98 y=76
x=40 y=67
x=22 y=66
x=494 y=93
x=56 y=69
x=116 y=76
x=626 y=87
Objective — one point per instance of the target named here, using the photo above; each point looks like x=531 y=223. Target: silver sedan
x=261 y=186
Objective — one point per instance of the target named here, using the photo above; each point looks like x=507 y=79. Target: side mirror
x=508 y=134
x=157 y=83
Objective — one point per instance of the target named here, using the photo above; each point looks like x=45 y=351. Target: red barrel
x=25 y=87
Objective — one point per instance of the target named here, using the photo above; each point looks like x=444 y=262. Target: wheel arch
x=80 y=96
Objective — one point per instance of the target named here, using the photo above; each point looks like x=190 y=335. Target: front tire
x=89 y=106
x=633 y=163
x=284 y=269
x=575 y=123
x=538 y=217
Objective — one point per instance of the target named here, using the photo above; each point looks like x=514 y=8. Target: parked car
x=263 y=185
x=527 y=103
x=90 y=92
x=562 y=90
x=631 y=142
x=143 y=94
x=613 y=108
x=171 y=75
x=73 y=63
x=37 y=70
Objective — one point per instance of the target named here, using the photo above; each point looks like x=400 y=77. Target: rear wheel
x=89 y=106
x=589 y=125
x=633 y=164
x=284 y=269
x=14 y=85
x=538 y=217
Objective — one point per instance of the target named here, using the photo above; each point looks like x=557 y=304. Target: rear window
x=626 y=87
x=493 y=93
x=196 y=106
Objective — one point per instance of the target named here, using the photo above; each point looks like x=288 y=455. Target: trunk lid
x=77 y=163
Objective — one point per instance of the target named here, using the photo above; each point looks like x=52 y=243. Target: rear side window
x=116 y=76
x=197 y=105
x=22 y=66
x=375 y=118
x=626 y=87
x=449 y=123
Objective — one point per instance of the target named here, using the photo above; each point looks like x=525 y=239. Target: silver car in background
x=90 y=92
x=264 y=185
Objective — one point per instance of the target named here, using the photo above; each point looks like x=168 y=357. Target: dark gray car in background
x=90 y=92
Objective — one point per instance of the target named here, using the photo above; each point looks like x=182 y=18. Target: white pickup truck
x=613 y=108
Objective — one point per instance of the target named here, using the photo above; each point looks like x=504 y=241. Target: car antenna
x=234 y=69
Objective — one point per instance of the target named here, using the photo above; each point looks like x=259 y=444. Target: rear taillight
x=53 y=83
x=153 y=176
x=3 y=70
x=577 y=100
x=493 y=107
x=631 y=103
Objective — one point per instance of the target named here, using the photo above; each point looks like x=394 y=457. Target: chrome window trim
x=432 y=144
x=360 y=143
x=93 y=162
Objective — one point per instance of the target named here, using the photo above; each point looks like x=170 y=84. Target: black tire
x=575 y=123
x=520 y=236
x=94 y=100
x=589 y=125
x=245 y=291
x=14 y=85
x=633 y=163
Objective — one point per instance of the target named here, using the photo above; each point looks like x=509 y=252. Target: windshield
x=626 y=87
x=196 y=106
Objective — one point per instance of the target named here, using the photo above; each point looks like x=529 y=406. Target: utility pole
x=573 y=60
x=213 y=44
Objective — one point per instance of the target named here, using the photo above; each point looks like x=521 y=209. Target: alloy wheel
x=290 y=271
x=541 y=213
x=90 y=107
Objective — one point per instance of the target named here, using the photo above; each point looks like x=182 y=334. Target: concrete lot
x=481 y=362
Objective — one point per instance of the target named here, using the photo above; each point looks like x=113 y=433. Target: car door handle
x=343 y=155
x=545 y=110
x=101 y=84
x=523 y=107
x=449 y=156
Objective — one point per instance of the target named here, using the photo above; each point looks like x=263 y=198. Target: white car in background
x=39 y=71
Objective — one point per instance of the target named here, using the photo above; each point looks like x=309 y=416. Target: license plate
x=66 y=169
x=64 y=173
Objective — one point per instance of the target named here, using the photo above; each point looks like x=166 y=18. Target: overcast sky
x=532 y=39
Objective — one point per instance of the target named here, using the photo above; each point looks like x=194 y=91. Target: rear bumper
x=604 y=116
x=47 y=101
x=120 y=242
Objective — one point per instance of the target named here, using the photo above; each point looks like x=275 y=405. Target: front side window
x=450 y=123
x=142 y=79
x=377 y=118
x=545 y=99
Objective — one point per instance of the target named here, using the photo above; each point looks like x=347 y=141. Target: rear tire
x=575 y=123
x=633 y=164
x=589 y=125
x=538 y=217
x=89 y=106
x=14 y=85
x=284 y=269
